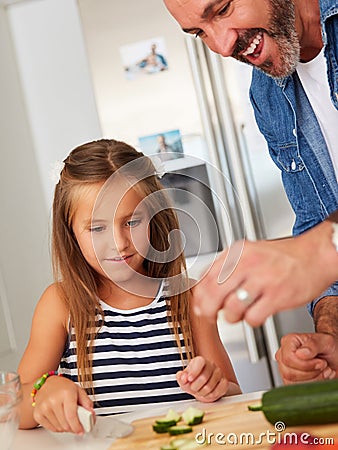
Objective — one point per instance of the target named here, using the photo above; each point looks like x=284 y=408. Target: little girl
x=117 y=323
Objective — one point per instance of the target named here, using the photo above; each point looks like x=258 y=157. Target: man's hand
x=278 y=275
x=308 y=357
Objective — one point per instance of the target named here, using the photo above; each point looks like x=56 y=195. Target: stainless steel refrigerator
x=224 y=159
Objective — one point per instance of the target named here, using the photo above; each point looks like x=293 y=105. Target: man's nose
x=221 y=40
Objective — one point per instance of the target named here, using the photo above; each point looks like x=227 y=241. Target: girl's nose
x=119 y=240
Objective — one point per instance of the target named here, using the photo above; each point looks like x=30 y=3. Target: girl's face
x=261 y=33
x=112 y=229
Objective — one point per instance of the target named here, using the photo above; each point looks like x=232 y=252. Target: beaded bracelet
x=41 y=381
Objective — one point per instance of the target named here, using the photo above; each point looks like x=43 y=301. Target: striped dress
x=135 y=359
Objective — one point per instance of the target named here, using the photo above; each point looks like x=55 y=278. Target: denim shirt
x=295 y=141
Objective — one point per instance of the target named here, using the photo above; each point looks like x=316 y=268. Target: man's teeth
x=252 y=47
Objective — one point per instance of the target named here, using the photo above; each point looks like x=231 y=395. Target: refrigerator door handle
x=215 y=141
x=251 y=343
x=242 y=177
x=257 y=218
x=272 y=341
x=231 y=229
x=231 y=142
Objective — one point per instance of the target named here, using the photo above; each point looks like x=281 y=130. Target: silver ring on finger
x=244 y=296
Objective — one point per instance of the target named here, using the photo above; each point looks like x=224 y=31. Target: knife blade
x=103 y=427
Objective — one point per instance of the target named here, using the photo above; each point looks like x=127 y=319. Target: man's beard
x=282 y=31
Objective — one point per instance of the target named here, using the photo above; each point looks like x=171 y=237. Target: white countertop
x=41 y=439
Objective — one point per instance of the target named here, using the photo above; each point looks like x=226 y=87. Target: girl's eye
x=133 y=223
x=96 y=229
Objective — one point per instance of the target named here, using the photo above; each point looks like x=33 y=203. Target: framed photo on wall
x=146 y=57
x=167 y=145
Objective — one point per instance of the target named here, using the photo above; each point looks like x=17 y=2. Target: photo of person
x=167 y=145
x=144 y=58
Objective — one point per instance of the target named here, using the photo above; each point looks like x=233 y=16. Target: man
x=292 y=46
x=164 y=150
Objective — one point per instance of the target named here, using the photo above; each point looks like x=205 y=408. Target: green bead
x=40 y=382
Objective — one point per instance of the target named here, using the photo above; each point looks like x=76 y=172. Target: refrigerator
x=224 y=185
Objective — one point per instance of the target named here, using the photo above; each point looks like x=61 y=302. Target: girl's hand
x=56 y=405
x=203 y=379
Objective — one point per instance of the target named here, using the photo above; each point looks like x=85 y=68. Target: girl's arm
x=43 y=353
x=210 y=374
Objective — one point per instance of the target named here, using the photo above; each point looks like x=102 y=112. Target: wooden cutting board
x=231 y=420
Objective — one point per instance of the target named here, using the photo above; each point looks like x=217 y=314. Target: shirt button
x=293 y=165
x=294 y=132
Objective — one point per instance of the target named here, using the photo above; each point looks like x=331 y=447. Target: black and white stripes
x=135 y=359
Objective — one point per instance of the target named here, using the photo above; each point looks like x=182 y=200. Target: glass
x=10 y=397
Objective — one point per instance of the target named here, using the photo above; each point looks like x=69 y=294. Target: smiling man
x=261 y=33
x=293 y=48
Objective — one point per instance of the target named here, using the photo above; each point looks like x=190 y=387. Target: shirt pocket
x=299 y=187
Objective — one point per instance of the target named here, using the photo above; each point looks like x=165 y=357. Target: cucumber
x=179 y=429
x=193 y=416
x=173 y=415
x=160 y=428
x=162 y=425
x=168 y=447
x=301 y=404
x=190 y=444
x=166 y=422
x=184 y=444
x=178 y=442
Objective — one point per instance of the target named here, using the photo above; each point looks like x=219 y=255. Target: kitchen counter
x=41 y=439
x=230 y=424
x=228 y=418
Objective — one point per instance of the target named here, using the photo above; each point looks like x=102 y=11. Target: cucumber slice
x=160 y=428
x=173 y=415
x=185 y=444
x=190 y=445
x=168 y=447
x=178 y=442
x=166 y=422
x=179 y=429
x=193 y=416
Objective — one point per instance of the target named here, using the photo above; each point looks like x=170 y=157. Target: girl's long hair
x=78 y=282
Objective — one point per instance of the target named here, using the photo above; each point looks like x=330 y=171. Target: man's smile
x=255 y=45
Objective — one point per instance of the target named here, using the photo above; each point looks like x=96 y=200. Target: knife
x=105 y=427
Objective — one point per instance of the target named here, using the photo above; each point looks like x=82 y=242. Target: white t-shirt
x=314 y=80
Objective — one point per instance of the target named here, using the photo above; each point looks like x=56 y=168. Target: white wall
x=147 y=104
x=47 y=107
x=24 y=256
x=54 y=73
